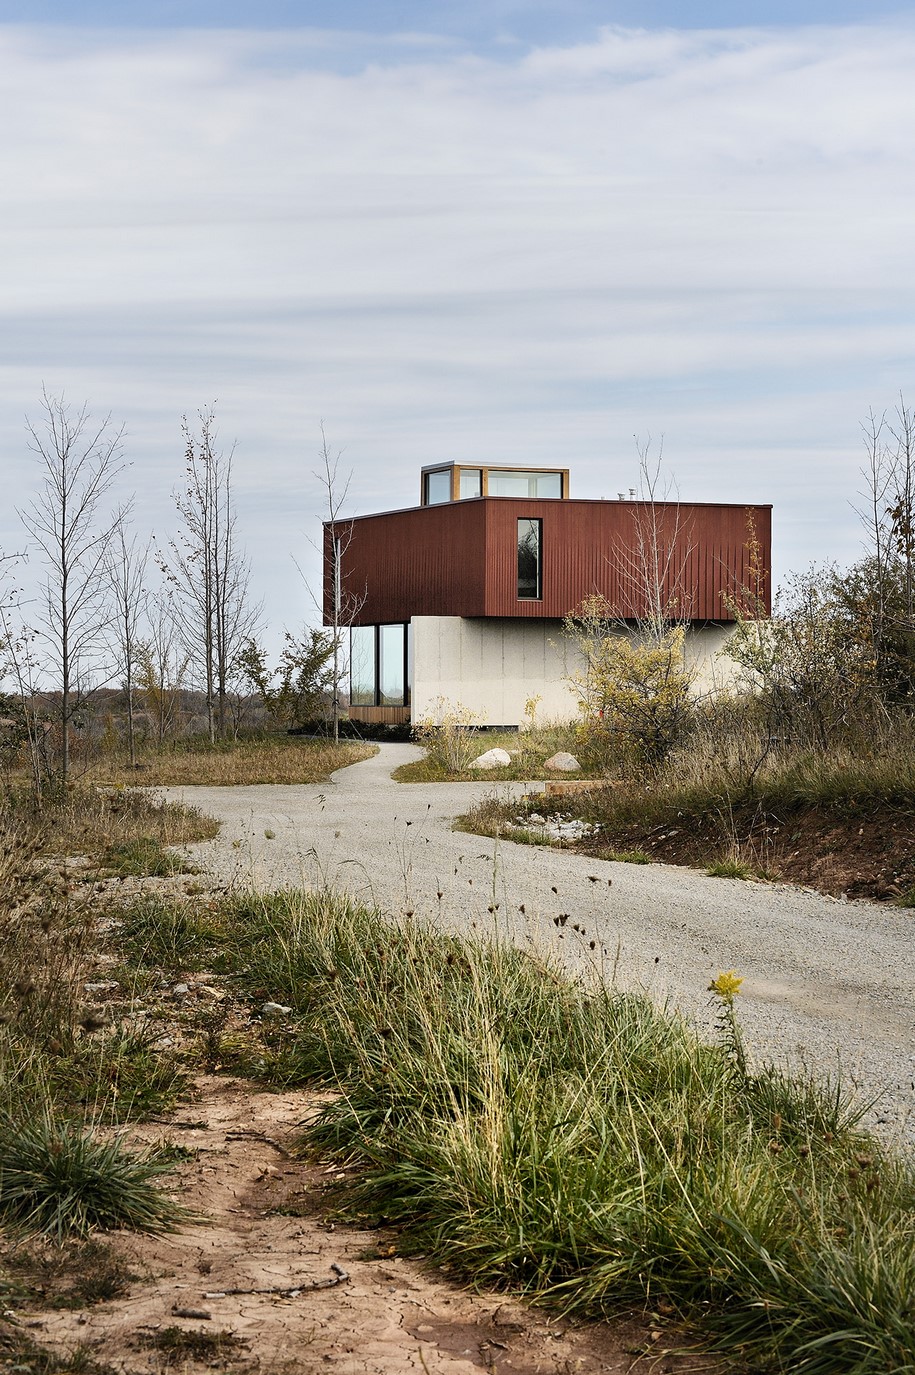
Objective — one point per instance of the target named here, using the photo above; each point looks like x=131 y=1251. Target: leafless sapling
x=208 y=570
x=79 y=461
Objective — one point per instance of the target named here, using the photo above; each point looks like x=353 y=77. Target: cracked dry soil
x=265 y=1225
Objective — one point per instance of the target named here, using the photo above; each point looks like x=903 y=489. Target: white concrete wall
x=493 y=666
x=714 y=671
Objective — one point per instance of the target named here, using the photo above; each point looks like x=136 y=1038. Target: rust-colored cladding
x=460 y=558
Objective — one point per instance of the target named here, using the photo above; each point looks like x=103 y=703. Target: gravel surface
x=830 y=985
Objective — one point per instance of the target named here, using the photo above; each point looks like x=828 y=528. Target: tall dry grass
x=64 y=1070
x=262 y=759
x=579 y=1144
x=60 y=1054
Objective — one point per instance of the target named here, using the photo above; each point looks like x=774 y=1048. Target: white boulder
x=563 y=762
x=492 y=759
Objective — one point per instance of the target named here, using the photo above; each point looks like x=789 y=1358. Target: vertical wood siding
x=460 y=559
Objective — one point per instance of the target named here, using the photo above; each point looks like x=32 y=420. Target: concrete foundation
x=493 y=666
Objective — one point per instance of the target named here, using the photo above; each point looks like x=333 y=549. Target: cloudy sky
x=513 y=230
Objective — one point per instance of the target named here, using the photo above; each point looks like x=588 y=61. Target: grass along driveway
x=826 y=982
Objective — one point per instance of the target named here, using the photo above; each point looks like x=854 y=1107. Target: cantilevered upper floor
x=535 y=556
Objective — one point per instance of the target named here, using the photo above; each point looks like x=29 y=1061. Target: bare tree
x=79 y=460
x=882 y=586
x=901 y=512
x=162 y=664
x=208 y=571
x=654 y=561
x=343 y=605
x=125 y=567
x=635 y=685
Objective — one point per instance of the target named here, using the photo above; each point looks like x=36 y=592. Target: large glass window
x=530 y=578
x=362 y=680
x=392 y=668
x=378 y=666
x=437 y=487
x=471 y=483
x=502 y=482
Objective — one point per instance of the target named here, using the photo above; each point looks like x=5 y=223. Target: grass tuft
x=729 y=868
x=155 y=932
x=178 y=1345
x=63 y=1180
x=626 y=856
x=142 y=858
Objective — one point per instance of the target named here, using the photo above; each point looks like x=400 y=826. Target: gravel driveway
x=829 y=984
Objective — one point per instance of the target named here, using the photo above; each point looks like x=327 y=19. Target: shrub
x=448 y=734
x=634 y=691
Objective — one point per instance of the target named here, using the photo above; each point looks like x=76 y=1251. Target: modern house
x=463 y=597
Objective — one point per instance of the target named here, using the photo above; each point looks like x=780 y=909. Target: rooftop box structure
x=463 y=596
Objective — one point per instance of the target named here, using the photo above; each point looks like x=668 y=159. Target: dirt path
x=267 y=1227
x=830 y=985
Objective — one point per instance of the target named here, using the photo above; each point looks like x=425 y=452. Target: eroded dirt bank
x=267 y=1225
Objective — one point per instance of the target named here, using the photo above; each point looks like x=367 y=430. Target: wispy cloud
x=707 y=233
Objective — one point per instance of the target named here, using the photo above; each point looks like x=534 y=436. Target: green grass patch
x=64 y=1180
x=729 y=868
x=522 y=836
x=120 y=1074
x=582 y=1146
x=160 y=933
x=625 y=856
x=142 y=858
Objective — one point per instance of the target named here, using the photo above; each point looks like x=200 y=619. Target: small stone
x=563 y=762
x=275 y=1010
x=492 y=759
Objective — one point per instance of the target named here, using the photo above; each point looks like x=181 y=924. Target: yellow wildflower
x=727 y=985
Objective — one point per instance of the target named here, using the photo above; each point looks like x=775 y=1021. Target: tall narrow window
x=530 y=576
x=362 y=675
x=392 y=668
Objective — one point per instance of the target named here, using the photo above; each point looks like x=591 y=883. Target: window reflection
x=530 y=582
x=502 y=482
x=437 y=487
x=392 y=665
x=378 y=665
x=471 y=483
x=362 y=665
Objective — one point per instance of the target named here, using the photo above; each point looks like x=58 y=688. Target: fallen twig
x=182 y=1126
x=290 y=1292
x=245 y=1134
